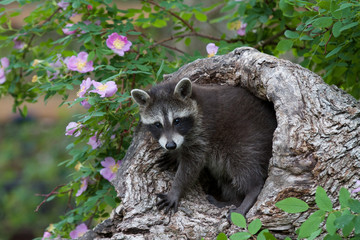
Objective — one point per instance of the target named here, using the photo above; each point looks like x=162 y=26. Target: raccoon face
x=167 y=113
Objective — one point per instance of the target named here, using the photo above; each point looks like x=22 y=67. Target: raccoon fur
x=223 y=129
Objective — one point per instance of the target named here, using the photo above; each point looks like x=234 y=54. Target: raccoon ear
x=140 y=96
x=183 y=88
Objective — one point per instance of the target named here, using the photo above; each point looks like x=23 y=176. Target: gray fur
x=223 y=129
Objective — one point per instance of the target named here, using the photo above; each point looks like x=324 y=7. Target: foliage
x=339 y=223
x=104 y=51
x=332 y=222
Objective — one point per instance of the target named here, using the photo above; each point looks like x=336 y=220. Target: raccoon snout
x=170 y=145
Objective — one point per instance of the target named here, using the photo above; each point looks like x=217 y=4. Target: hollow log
x=316 y=143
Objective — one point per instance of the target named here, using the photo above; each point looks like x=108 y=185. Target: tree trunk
x=315 y=143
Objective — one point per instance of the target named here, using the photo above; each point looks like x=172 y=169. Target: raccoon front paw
x=168 y=202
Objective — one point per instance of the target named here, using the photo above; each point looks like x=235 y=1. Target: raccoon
x=223 y=129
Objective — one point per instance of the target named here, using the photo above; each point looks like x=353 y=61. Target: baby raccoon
x=224 y=129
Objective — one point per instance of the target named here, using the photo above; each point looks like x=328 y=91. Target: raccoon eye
x=176 y=121
x=158 y=125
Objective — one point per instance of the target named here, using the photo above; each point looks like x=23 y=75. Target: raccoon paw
x=215 y=202
x=168 y=202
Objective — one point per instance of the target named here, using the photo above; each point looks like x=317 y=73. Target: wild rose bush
x=101 y=52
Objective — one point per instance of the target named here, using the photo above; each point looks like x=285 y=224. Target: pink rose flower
x=94 y=142
x=73 y=127
x=63 y=4
x=241 y=31
x=84 y=86
x=105 y=90
x=83 y=186
x=118 y=43
x=110 y=168
x=79 y=231
x=211 y=49
x=80 y=63
x=85 y=104
x=357 y=185
x=18 y=44
x=56 y=67
x=46 y=236
x=4 y=64
x=66 y=29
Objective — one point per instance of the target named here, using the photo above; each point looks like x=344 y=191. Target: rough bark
x=316 y=143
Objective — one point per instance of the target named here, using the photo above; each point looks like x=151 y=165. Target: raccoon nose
x=170 y=145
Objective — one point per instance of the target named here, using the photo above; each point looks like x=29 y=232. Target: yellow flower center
x=81 y=89
x=102 y=87
x=34 y=78
x=80 y=65
x=78 y=166
x=235 y=25
x=211 y=54
x=119 y=44
x=114 y=168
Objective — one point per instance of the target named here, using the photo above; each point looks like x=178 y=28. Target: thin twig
x=328 y=42
x=269 y=40
x=53 y=192
x=173 y=14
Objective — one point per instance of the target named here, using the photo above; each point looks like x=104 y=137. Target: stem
x=328 y=42
x=53 y=192
x=269 y=40
x=188 y=25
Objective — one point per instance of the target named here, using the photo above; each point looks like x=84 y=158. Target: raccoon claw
x=167 y=202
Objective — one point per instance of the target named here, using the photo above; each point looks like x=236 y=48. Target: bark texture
x=316 y=143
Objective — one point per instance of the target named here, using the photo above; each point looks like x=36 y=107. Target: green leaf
x=292 y=205
x=187 y=41
x=200 y=16
x=311 y=225
x=348 y=228
x=91 y=56
x=159 y=23
x=6 y=2
x=354 y=205
x=330 y=226
x=323 y=22
x=284 y=45
x=266 y=235
x=291 y=34
x=254 y=226
x=332 y=237
x=240 y=236
x=286 y=8
x=336 y=30
x=160 y=70
x=334 y=51
x=344 y=197
x=343 y=220
x=347 y=26
x=322 y=200
x=315 y=234
x=306 y=38
x=238 y=219
x=357 y=224
x=110 y=201
x=221 y=236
